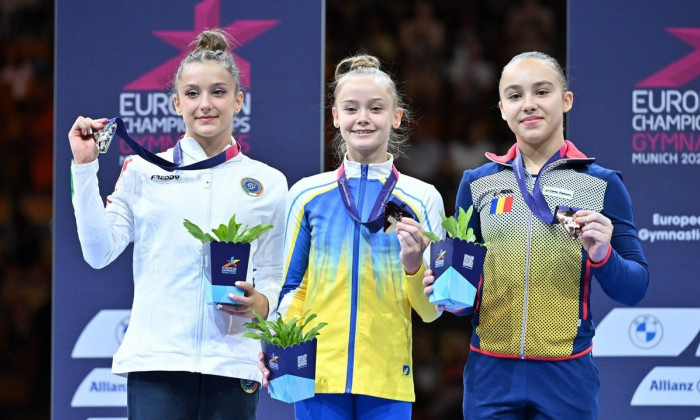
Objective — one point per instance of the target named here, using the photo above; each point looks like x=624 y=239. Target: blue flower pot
x=457 y=266
x=227 y=264
x=292 y=370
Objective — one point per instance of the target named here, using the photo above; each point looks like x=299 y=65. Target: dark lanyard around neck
x=375 y=221
x=116 y=126
x=535 y=201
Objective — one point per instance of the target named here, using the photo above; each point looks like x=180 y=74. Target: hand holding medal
x=102 y=131
x=410 y=234
x=596 y=234
x=82 y=139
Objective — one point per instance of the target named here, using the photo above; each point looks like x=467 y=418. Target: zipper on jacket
x=355 y=280
x=527 y=284
x=523 y=329
x=202 y=289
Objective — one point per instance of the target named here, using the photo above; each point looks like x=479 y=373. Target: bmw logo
x=646 y=331
x=121 y=329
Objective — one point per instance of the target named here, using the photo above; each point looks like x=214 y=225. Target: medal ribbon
x=374 y=221
x=222 y=157
x=535 y=201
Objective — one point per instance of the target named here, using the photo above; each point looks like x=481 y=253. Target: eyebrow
x=194 y=85
x=536 y=84
x=354 y=101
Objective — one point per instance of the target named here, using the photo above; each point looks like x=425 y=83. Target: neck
x=536 y=155
x=213 y=147
x=366 y=159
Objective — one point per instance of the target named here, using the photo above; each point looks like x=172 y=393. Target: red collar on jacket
x=568 y=150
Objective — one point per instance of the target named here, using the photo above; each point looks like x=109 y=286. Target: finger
x=245 y=286
x=229 y=309
x=80 y=127
x=414 y=229
x=588 y=217
x=406 y=239
x=263 y=369
x=236 y=312
x=243 y=301
x=240 y=309
x=85 y=126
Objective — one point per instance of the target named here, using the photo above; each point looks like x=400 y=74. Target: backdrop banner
x=635 y=73
x=116 y=59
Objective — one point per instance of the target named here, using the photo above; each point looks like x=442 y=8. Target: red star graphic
x=206 y=15
x=681 y=71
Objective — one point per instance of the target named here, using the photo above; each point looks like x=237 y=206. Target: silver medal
x=104 y=137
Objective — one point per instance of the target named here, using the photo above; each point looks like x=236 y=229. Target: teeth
x=364 y=131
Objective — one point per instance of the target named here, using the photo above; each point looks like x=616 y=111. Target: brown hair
x=211 y=44
x=544 y=57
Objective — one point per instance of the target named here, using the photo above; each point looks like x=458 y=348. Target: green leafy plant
x=456 y=228
x=280 y=333
x=233 y=232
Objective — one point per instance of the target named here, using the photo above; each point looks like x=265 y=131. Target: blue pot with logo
x=292 y=370
x=457 y=266
x=227 y=264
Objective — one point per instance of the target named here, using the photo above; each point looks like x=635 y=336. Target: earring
x=336 y=124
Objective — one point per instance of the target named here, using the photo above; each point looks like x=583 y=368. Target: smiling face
x=365 y=112
x=207 y=97
x=533 y=103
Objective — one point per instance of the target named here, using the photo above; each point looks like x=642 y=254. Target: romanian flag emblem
x=501 y=205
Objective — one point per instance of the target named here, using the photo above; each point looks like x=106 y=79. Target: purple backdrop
x=635 y=73
x=115 y=59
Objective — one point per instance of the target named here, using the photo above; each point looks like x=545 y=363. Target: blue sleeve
x=464 y=200
x=624 y=274
x=297 y=247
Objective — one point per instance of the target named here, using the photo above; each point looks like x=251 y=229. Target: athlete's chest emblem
x=501 y=205
x=252 y=187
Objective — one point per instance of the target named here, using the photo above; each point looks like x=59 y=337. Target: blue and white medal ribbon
x=375 y=221
x=535 y=200
x=116 y=126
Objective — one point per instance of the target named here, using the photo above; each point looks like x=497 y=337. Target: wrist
x=412 y=270
x=82 y=161
x=600 y=261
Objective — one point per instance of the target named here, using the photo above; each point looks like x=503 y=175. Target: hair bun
x=351 y=63
x=212 y=40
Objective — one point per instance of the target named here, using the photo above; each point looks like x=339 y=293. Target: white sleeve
x=103 y=232
x=268 y=257
x=433 y=220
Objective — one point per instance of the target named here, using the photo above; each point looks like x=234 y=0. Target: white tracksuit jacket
x=171 y=327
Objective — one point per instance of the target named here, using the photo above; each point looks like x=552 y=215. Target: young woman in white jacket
x=186 y=359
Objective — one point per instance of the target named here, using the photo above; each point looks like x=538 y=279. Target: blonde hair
x=367 y=65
